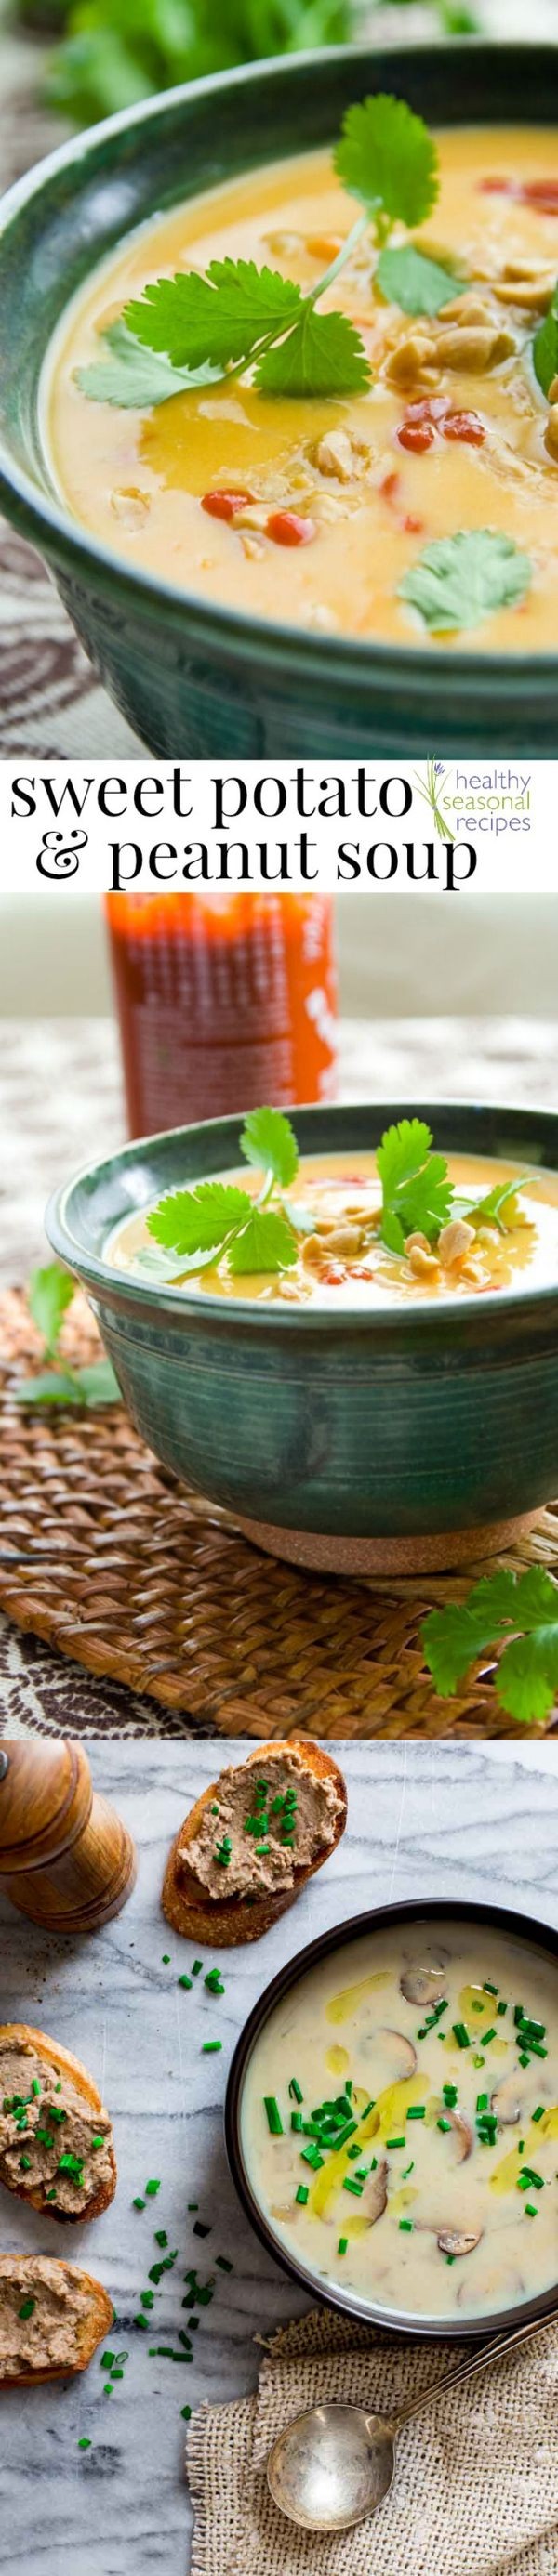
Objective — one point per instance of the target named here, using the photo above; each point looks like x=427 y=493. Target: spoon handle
x=476 y=2361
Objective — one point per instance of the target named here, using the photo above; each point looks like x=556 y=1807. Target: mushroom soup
x=483 y=1226
x=398 y=482
x=399 y=2120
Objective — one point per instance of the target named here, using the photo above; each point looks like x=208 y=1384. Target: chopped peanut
x=455 y=1242
x=475 y=347
x=314 y=1252
x=417 y=1243
x=424 y=1265
x=336 y=454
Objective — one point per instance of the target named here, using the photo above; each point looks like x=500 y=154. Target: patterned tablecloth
x=61 y=1105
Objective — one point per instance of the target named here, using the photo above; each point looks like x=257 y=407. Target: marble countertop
x=433 y=1820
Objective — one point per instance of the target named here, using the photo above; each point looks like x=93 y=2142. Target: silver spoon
x=334 y=2465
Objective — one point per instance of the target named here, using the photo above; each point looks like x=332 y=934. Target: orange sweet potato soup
x=397 y=482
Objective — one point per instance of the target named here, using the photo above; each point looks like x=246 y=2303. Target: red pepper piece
x=335 y=1277
x=466 y=426
x=542 y=194
x=416 y=435
x=224 y=505
x=286 y=529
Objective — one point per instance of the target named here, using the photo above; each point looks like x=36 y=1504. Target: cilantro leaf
x=49 y=1294
x=117 y=51
x=418 y=284
x=459 y=580
x=519 y=1612
x=218 y=319
x=266 y=1243
x=199 y=1220
x=490 y=1210
x=387 y=158
x=545 y=347
x=134 y=378
x=416 y=1191
x=324 y=354
x=88 y=1387
x=528 y=1675
x=268 y=1140
x=401 y=1153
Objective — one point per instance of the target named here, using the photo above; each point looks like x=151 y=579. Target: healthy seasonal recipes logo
x=491 y=801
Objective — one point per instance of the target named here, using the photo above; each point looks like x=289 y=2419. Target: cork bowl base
x=435 y=1552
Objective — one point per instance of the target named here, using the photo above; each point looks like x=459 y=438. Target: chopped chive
x=197 y=1965
x=214 y=1982
x=165 y=1959
x=210 y=2047
x=501 y=2008
x=141 y=2321
x=24 y=2164
x=311 y=2156
x=295 y=2090
x=483 y=2101
x=35 y=2088
x=186 y=2413
x=530 y=2212
x=461 y=2034
x=187 y=1982
x=449 y=2092
x=151 y=2189
x=417 y=2111
x=409 y=2169
x=107 y=2360
x=84 y=2444
x=539 y=2113
x=342 y=2244
x=489 y=1989
x=486 y=2036
x=405 y=2226
x=396 y=2142
x=160 y=2237
x=478 y=2061
x=302 y=2194
x=138 y=2204
x=351 y=2185
x=223 y=2263
x=443 y=2124
x=450 y=2258
x=27 y=2307
x=274 y=2121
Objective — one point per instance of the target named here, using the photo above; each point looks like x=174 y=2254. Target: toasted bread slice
x=223 y=1922
x=52 y=2055
x=78 y=2308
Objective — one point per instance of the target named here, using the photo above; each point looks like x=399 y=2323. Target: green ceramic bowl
x=194 y=680
x=355 y=1442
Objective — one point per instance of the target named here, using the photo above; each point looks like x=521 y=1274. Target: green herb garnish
x=49 y=1295
x=273 y=2115
x=416 y=1192
x=200 y=329
x=202 y=1224
x=518 y=1612
x=545 y=347
x=459 y=580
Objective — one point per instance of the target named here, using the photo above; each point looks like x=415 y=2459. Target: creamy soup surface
x=342 y=1259
x=376 y=500
x=399 y=2120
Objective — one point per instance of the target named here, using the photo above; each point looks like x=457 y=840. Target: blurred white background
x=426 y=955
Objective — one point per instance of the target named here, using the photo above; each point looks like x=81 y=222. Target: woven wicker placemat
x=113 y=1563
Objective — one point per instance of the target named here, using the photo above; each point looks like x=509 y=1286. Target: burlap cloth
x=476 y=2492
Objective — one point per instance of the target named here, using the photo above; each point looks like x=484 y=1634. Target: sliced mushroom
x=398 y=2050
x=463 y=2135
x=374 y=2196
x=423 y=1985
x=454 y=2241
x=505 y=2101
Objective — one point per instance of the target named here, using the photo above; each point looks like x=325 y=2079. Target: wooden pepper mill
x=65 y=1857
